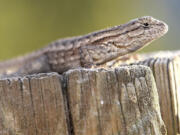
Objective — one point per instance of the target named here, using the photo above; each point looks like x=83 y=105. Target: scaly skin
x=90 y=50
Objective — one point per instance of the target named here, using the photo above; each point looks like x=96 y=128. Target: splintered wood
x=120 y=101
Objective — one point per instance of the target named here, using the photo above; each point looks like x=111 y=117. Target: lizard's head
x=133 y=35
x=123 y=39
x=140 y=32
x=145 y=29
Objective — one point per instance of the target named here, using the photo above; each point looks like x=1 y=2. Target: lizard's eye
x=146 y=24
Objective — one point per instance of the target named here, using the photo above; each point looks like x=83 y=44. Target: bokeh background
x=26 y=25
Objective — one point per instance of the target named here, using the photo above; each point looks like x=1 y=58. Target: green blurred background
x=26 y=25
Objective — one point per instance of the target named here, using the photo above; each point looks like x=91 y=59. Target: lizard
x=89 y=50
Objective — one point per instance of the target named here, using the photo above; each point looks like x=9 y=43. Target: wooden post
x=166 y=70
x=120 y=101
x=32 y=105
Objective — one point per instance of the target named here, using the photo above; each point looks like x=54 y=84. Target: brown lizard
x=89 y=50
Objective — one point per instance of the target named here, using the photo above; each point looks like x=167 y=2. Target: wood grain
x=120 y=101
x=166 y=70
x=32 y=105
x=165 y=66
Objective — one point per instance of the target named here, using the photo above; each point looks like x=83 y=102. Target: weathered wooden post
x=121 y=101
